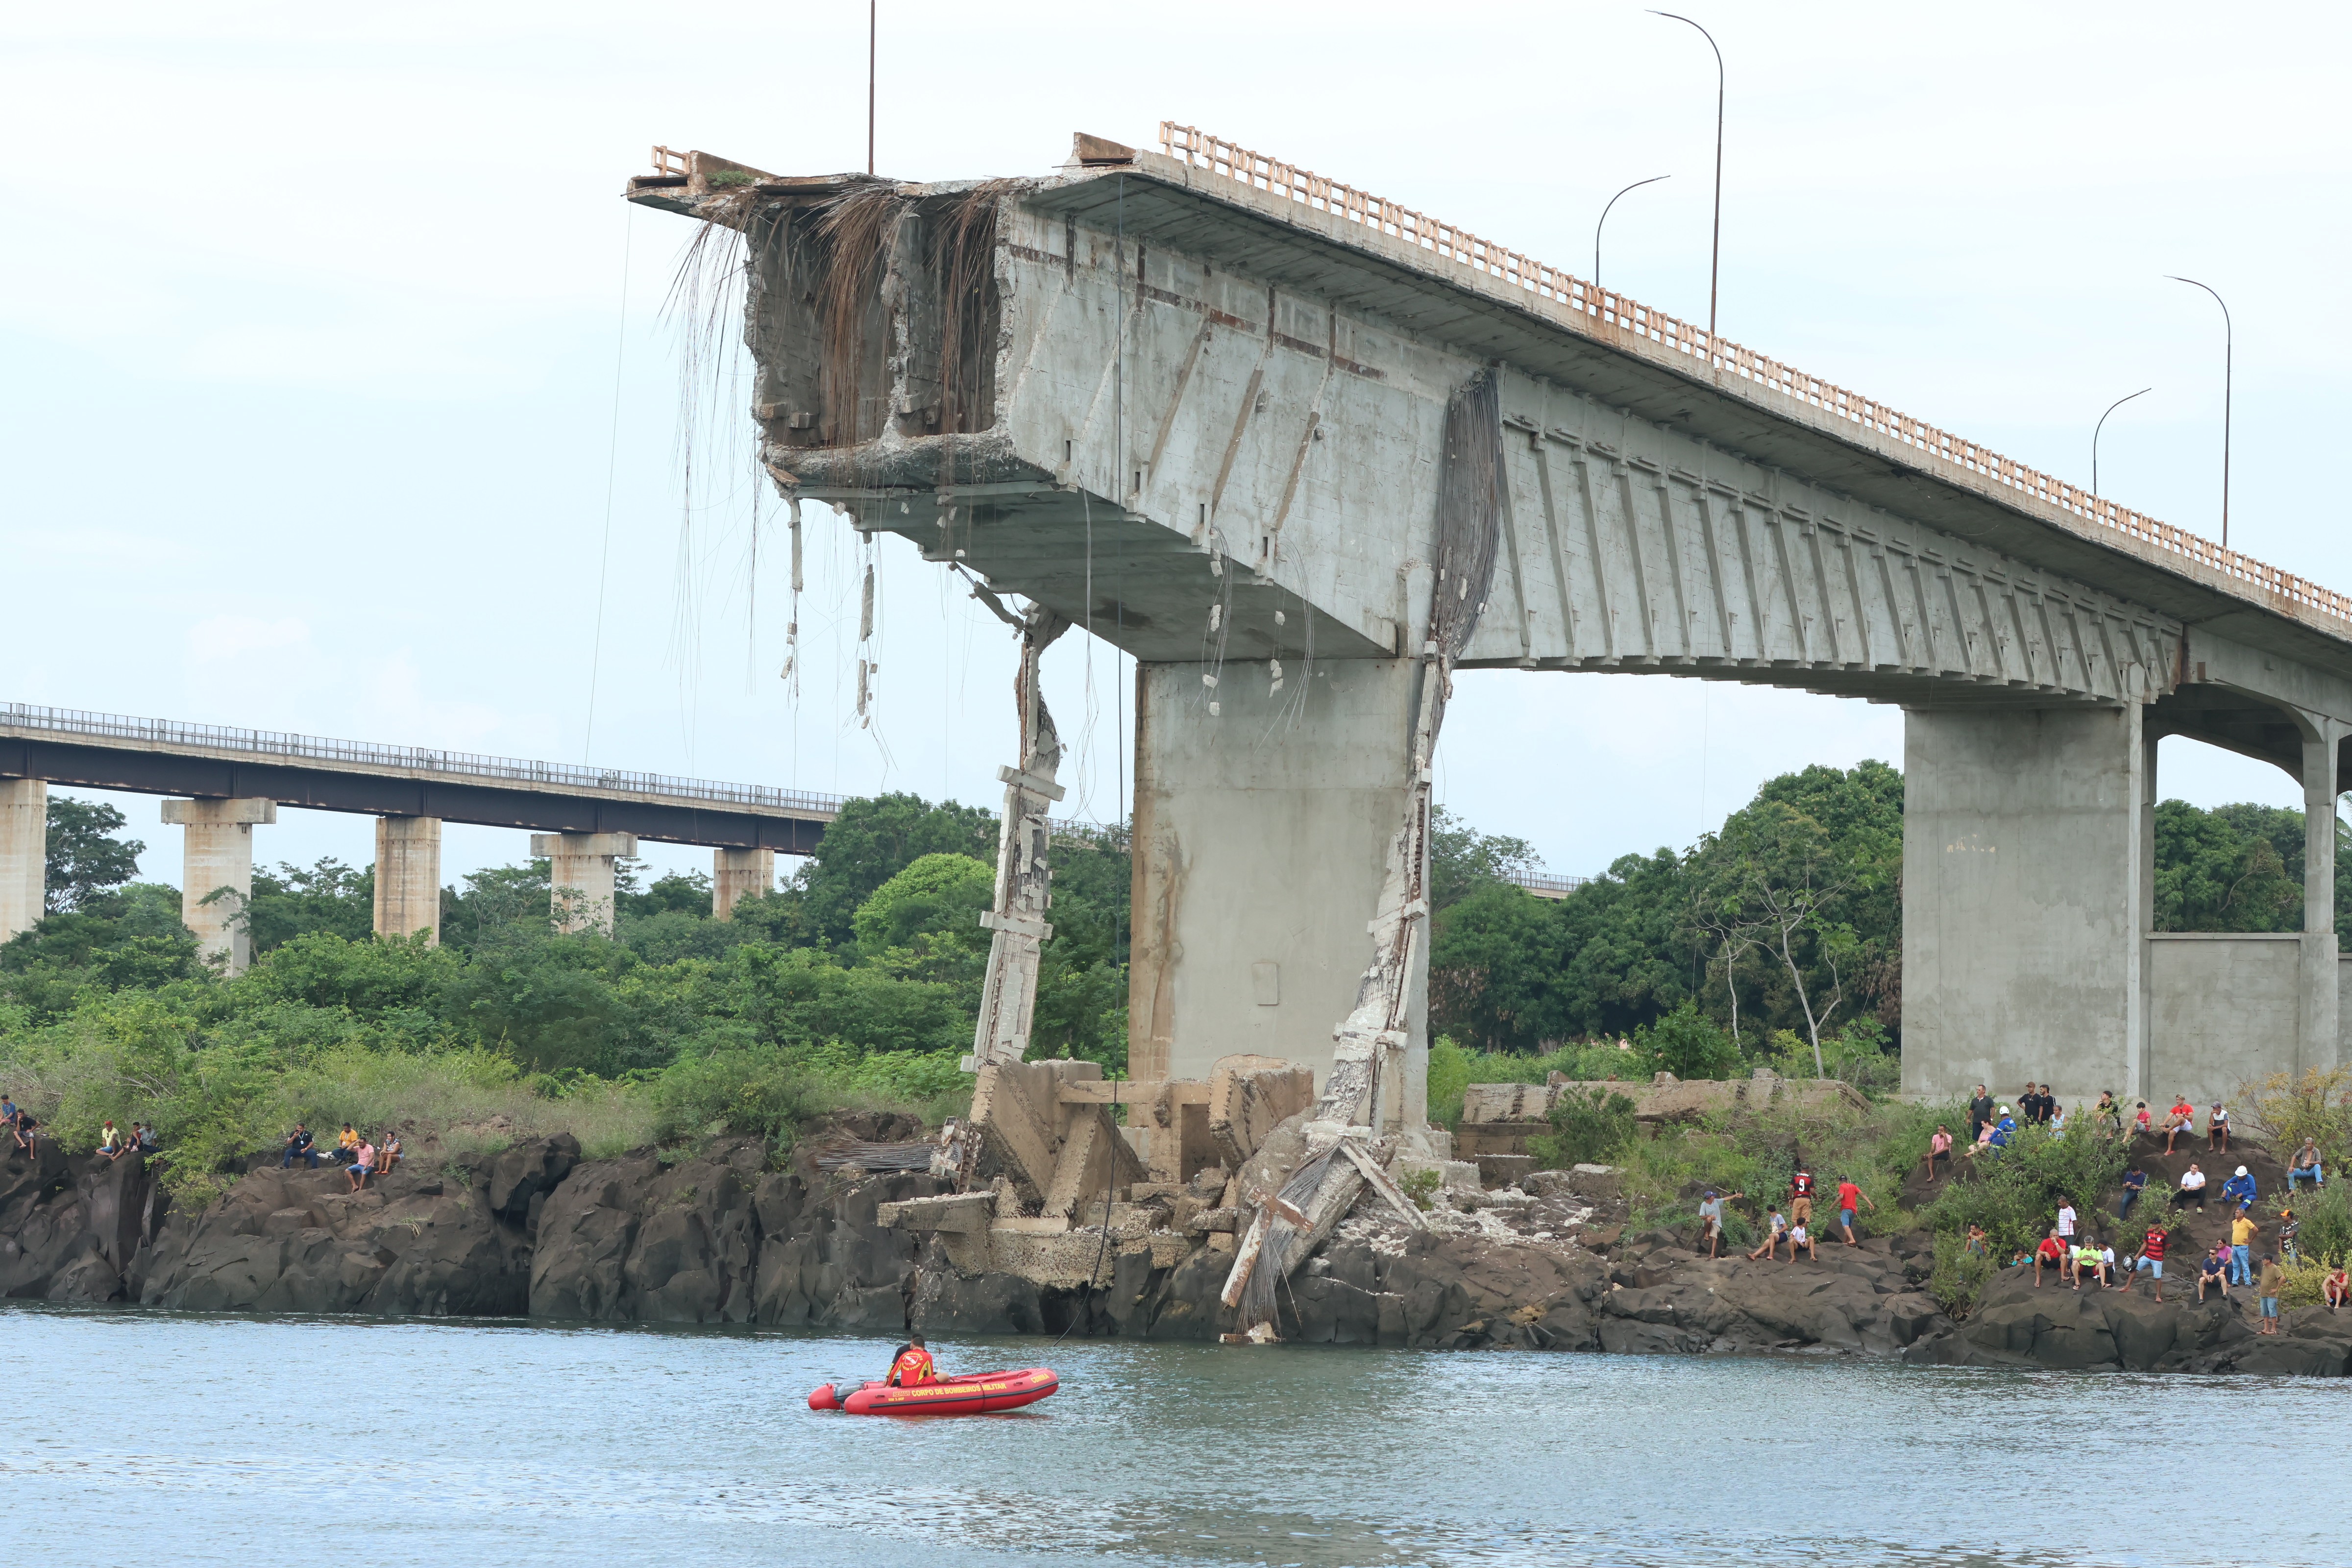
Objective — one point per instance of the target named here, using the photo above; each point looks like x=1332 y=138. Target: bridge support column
x=1261 y=838
x=2322 y=1044
x=2026 y=873
x=24 y=853
x=408 y=878
x=579 y=878
x=217 y=880
x=737 y=875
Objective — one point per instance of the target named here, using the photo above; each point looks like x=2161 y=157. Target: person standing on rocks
x=2288 y=1226
x=1774 y=1229
x=2242 y=1231
x=1849 y=1197
x=2274 y=1285
x=1710 y=1219
x=1800 y=1195
x=2066 y=1222
x=2151 y=1257
x=1979 y=1113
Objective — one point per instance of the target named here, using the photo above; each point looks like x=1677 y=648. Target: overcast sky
x=339 y=392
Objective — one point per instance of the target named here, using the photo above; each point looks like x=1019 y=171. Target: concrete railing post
x=217 y=880
x=737 y=875
x=408 y=878
x=24 y=853
x=580 y=877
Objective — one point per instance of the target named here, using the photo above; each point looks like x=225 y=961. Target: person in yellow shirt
x=2241 y=1238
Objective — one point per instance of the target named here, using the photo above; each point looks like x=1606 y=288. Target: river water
x=188 y=1440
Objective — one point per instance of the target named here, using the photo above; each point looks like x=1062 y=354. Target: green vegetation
x=856 y=985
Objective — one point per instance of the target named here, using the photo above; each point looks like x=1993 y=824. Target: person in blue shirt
x=2004 y=1130
x=2239 y=1188
x=2134 y=1179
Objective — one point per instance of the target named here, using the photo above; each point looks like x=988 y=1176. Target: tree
x=84 y=856
x=1463 y=860
x=875 y=839
x=2225 y=870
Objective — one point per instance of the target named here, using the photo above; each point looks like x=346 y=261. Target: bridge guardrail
x=1606 y=307
x=166 y=734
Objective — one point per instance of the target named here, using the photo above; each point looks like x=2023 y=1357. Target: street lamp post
x=1604 y=218
x=1714 y=257
x=2102 y=425
x=2228 y=352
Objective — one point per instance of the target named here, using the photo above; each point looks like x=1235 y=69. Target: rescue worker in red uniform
x=912 y=1365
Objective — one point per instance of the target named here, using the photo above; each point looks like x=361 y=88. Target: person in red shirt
x=1850 y=1197
x=1801 y=1197
x=912 y=1365
x=2051 y=1253
x=2182 y=1118
x=2151 y=1257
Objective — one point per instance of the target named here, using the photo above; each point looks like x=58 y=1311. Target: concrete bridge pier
x=1261 y=841
x=737 y=875
x=580 y=878
x=2321 y=1033
x=216 y=880
x=24 y=853
x=408 y=878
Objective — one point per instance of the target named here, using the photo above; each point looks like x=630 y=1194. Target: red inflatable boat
x=974 y=1394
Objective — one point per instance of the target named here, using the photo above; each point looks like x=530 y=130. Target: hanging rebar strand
x=1017 y=920
x=1370 y=1044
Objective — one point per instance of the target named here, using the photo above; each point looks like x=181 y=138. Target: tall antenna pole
x=1715 y=259
x=873 y=31
x=2228 y=352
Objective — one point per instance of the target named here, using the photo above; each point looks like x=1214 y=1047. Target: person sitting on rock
x=2151 y=1257
x=1977 y=1244
x=1940 y=1147
x=109 y=1140
x=2215 y=1274
x=2337 y=1289
x=2109 y=1114
x=388 y=1156
x=2142 y=1123
x=8 y=1112
x=2135 y=1181
x=2217 y=1130
x=1800 y=1237
x=912 y=1366
x=131 y=1142
x=2240 y=1189
x=2052 y=1254
x=2181 y=1118
x=362 y=1164
x=2192 y=1189
x=2305 y=1167
x=2004 y=1127
x=300 y=1146
x=2094 y=1261
x=28 y=1138
x=1775 y=1229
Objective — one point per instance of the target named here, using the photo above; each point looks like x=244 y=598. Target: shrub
x=1587 y=1126
x=1960 y=1276
x=2324 y=1222
x=1449 y=1077
x=1687 y=1044
x=2014 y=1195
x=2285 y=1108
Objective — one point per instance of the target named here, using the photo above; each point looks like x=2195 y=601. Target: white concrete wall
x=2024 y=899
x=2223 y=1009
x=1261 y=839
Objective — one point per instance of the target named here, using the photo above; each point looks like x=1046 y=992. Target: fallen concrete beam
x=1249 y=1097
x=1014 y=1114
x=1095 y=1161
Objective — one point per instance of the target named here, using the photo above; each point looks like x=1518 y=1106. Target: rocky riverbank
x=536 y=1231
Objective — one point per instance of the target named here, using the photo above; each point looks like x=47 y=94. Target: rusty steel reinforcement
x=1626 y=317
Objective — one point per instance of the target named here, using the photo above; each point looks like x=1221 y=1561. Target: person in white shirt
x=2192 y=1189
x=2065 y=1220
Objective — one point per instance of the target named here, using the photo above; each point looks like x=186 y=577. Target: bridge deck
x=160 y=756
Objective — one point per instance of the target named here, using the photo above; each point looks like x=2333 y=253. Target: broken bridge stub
x=1015 y=1119
x=1249 y=1097
x=1094 y=1159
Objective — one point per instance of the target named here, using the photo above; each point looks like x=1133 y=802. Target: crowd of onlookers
x=363 y=1159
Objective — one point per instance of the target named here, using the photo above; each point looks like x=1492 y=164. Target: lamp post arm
x=2102 y=425
x=1604 y=218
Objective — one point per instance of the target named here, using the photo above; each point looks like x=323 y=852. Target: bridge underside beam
x=328 y=789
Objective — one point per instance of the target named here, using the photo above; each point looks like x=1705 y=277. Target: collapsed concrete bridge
x=1219 y=411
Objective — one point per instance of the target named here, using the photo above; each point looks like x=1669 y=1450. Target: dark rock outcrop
x=71 y=1225
x=2057 y=1326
